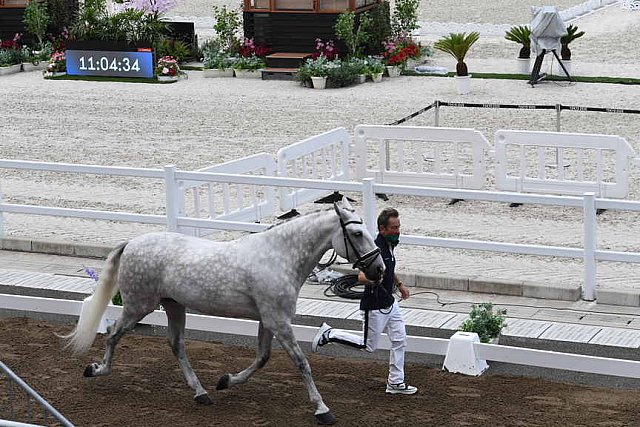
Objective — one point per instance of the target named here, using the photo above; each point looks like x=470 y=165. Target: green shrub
x=485 y=322
x=381 y=25
x=36 y=20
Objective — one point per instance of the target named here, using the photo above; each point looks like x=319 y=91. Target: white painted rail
x=418 y=155
x=321 y=157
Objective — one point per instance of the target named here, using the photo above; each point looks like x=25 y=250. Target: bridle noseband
x=362 y=261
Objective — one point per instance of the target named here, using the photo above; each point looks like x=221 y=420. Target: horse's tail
x=82 y=337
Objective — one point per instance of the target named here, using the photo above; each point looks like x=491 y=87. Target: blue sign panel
x=109 y=63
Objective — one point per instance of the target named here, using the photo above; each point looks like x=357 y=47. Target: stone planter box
x=11 y=69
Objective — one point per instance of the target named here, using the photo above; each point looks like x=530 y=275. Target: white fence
x=233 y=202
x=174 y=219
x=415 y=344
x=399 y=154
x=599 y=163
x=324 y=156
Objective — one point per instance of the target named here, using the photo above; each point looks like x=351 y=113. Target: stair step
x=275 y=73
x=290 y=55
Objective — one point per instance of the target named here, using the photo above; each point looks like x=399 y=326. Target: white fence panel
x=231 y=202
x=562 y=163
x=424 y=156
x=323 y=157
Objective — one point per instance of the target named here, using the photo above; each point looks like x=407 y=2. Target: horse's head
x=353 y=242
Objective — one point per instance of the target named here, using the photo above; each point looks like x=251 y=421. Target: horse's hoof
x=223 y=383
x=204 y=399
x=89 y=370
x=326 y=419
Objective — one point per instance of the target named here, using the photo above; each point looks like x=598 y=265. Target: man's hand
x=404 y=291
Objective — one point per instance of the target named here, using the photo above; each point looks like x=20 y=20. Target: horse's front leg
x=264 y=351
x=284 y=334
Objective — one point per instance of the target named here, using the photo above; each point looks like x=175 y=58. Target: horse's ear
x=346 y=205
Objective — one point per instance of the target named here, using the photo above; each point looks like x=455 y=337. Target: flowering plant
x=398 y=52
x=167 y=66
x=10 y=51
x=249 y=48
x=327 y=49
x=57 y=63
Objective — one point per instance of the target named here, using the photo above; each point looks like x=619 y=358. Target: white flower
x=165 y=70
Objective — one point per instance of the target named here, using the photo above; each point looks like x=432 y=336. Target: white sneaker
x=402 y=388
x=321 y=337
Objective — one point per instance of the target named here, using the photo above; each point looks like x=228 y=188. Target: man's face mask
x=392 y=239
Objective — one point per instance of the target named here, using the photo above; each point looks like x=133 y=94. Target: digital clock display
x=109 y=63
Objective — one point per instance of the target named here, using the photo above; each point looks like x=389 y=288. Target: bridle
x=362 y=261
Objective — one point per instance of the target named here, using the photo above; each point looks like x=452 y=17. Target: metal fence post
x=590 y=246
x=437 y=114
x=172 y=202
x=369 y=205
x=558 y=111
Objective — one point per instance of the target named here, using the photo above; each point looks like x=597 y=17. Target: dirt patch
x=147 y=388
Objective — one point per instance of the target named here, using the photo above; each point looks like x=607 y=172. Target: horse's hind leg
x=264 y=352
x=130 y=317
x=176 y=322
x=285 y=336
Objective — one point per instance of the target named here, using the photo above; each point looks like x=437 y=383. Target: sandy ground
x=200 y=122
x=146 y=388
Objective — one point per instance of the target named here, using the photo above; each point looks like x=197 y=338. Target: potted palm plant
x=521 y=34
x=565 y=52
x=457 y=45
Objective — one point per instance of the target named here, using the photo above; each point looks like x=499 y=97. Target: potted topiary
x=565 y=52
x=485 y=322
x=521 y=34
x=457 y=45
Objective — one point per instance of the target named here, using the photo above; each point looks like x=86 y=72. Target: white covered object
x=546 y=29
x=461 y=355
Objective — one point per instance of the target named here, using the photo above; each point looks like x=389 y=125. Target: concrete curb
x=53 y=247
x=623 y=297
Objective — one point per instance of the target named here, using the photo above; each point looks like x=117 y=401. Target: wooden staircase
x=283 y=65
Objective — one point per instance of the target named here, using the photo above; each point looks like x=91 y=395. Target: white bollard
x=461 y=355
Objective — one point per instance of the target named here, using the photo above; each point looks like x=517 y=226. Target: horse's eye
x=358 y=233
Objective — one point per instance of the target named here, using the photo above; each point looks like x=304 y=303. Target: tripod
x=535 y=73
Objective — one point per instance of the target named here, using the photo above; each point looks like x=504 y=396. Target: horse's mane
x=282 y=221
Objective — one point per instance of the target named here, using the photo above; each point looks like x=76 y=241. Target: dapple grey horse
x=258 y=277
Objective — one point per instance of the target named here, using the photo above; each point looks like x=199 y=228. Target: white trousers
x=387 y=321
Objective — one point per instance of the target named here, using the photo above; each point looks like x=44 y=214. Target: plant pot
x=524 y=66
x=11 y=69
x=168 y=78
x=376 y=77
x=463 y=84
x=393 y=70
x=567 y=66
x=362 y=78
x=248 y=74
x=210 y=73
x=318 y=82
x=28 y=66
